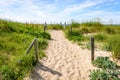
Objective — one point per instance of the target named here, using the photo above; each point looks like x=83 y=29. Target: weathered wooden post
x=70 y=29
x=0 y=76
x=35 y=44
x=36 y=49
x=92 y=47
x=64 y=25
x=45 y=26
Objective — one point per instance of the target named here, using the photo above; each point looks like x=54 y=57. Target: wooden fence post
x=92 y=48
x=64 y=25
x=36 y=49
x=0 y=76
x=30 y=46
x=35 y=44
x=70 y=29
x=45 y=26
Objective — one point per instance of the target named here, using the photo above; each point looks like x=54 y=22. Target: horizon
x=56 y=11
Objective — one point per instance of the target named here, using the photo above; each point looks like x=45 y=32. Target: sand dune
x=64 y=61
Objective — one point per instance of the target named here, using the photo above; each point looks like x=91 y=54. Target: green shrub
x=75 y=35
x=75 y=24
x=85 y=30
x=92 y=26
x=42 y=43
x=114 y=44
x=55 y=26
x=104 y=63
x=100 y=37
x=109 y=30
x=104 y=75
x=44 y=35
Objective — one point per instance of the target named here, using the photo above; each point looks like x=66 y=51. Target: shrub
x=85 y=30
x=75 y=35
x=109 y=30
x=100 y=37
x=75 y=24
x=104 y=75
x=92 y=26
x=42 y=43
x=114 y=44
x=55 y=26
x=104 y=63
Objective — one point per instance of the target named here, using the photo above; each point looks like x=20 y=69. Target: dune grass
x=15 y=38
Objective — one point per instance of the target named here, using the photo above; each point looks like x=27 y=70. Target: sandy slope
x=65 y=60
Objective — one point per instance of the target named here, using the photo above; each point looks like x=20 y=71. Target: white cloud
x=41 y=11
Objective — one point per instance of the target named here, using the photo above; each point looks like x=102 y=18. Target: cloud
x=54 y=10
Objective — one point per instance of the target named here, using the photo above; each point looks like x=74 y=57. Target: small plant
x=108 y=71
x=104 y=75
x=104 y=63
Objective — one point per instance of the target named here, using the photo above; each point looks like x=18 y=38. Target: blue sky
x=60 y=10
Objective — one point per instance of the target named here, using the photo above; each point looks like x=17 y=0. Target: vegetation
x=107 y=37
x=113 y=44
x=104 y=63
x=104 y=75
x=15 y=38
x=75 y=35
x=108 y=71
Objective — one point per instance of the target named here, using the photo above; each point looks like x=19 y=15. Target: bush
x=55 y=26
x=76 y=35
x=108 y=71
x=42 y=43
x=109 y=30
x=75 y=24
x=104 y=63
x=114 y=44
x=100 y=37
x=85 y=30
x=104 y=75
x=92 y=26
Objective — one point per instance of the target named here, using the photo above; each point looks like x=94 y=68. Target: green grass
x=15 y=38
x=107 y=37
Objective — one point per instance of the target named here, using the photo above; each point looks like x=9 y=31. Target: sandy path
x=65 y=60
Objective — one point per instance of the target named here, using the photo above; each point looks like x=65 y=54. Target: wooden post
x=64 y=25
x=36 y=49
x=29 y=48
x=70 y=29
x=92 y=48
x=45 y=26
x=0 y=76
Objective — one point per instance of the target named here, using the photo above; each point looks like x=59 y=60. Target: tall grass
x=15 y=37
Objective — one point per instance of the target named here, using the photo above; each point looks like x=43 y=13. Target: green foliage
x=42 y=44
x=76 y=35
x=75 y=24
x=109 y=30
x=92 y=26
x=100 y=37
x=104 y=63
x=55 y=26
x=14 y=40
x=108 y=71
x=104 y=75
x=114 y=44
x=85 y=30
x=17 y=70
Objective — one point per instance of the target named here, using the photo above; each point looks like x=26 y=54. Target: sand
x=64 y=60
